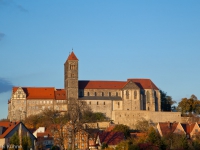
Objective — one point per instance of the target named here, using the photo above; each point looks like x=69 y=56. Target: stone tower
x=71 y=78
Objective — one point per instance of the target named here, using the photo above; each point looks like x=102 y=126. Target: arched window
x=135 y=94
x=148 y=97
x=127 y=94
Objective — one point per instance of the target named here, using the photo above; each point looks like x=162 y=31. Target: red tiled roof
x=37 y=92
x=167 y=127
x=72 y=56
x=60 y=94
x=142 y=83
x=188 y=127
x=8 y=127
x=111 y=138
x=43 y=93
x=101 y=84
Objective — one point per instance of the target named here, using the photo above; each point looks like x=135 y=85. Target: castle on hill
x=121 y=101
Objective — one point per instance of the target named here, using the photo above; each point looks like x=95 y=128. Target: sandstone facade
x=121 y=101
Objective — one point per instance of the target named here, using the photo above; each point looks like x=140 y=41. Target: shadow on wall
x=5 y=85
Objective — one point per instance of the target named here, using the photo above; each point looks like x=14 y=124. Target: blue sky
x=114 y=40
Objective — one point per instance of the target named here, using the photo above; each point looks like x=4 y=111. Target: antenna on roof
x=72 y=49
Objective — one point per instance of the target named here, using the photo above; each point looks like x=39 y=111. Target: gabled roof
x=167 y=127
x=144 y=83
x=141 y=83
x=188 y=127
x=72 y=56
x=7 y=127
x=37 y=92
x=111 y=138
x=43 y=93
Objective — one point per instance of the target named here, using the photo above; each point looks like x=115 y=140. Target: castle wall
x=103 y=106
x=130 y=118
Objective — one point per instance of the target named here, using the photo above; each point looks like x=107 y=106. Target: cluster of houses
x=87 y=139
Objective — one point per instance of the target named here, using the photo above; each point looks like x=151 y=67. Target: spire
x=72 y=56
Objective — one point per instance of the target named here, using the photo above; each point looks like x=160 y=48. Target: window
x=72 y=75
x=127 y=94
x=109 y=93
x=118 y=105
x=102 y=93
x=148 y=97
x=135 y=94
x=90 y=103
x=104 y=103
x=116 y=93
x=81 y=93
x=97 y=103
x=88 y=93
x=95 y=93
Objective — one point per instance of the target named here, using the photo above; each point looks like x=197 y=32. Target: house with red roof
x=8 y=129
x=167 y=128
x=192 y=130
x=112 y=139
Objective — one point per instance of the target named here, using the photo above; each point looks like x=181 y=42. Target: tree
x=191 y=106
x=153 y=137
x=142 y=125
x=122 y=128
x=26 y=143
x=166 y=101
x=66 y=125
x=15 y=139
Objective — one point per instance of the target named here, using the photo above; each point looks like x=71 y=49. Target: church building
x=108 y=97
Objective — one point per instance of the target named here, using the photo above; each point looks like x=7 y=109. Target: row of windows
x=95 y=94
x=127 y=94
x=104 y=103
x=47 y=102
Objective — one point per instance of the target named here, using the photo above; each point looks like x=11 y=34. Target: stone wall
x=130 y=118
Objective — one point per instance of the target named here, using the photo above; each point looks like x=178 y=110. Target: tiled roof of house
x=167 y=127
x=188 y=127
x=7 y=127
x=111 y=138
x=43 y=93
x=141 y=83
x=37 y=92
x=72 y=56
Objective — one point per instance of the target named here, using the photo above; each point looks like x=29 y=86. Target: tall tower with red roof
x=71 y=77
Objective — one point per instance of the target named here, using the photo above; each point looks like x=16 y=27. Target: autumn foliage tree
x=189 y=106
